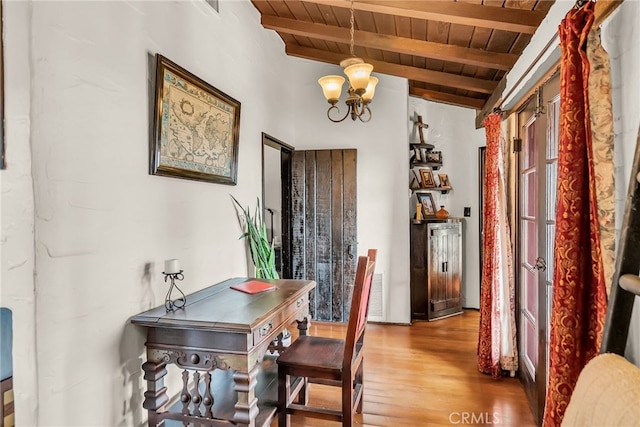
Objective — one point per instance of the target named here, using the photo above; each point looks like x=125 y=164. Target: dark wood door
x=324 y=246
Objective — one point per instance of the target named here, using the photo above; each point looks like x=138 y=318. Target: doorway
x=537 y=176
x=276 y=200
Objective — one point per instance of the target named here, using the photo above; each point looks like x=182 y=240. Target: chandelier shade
x=331 y=87
x=359 y=76
x=367 y=96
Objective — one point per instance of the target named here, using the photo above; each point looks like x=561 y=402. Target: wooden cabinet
x=436 y=268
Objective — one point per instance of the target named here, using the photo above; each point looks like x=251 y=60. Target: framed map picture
x=196 y=127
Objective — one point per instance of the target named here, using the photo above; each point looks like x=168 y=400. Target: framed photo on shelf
x=196 y=127
x=444 y=180
x=427 y=178
x=428 y=205
x=434 y=157
x=417 y=156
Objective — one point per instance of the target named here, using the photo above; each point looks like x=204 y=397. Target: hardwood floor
x=425 y=375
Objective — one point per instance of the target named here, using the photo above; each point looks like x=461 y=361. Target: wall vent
x=375 y=299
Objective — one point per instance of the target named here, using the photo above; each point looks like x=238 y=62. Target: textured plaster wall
x=78 y=97
x=17 y=287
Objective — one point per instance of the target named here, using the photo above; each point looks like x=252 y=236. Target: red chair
x=328 y=361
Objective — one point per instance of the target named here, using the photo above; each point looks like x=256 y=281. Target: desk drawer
x=269 y=329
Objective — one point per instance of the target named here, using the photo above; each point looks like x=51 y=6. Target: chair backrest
x=359 y=306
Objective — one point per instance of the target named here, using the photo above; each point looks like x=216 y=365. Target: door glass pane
x=552 y=178
x=553 y=127
x=531 y=291
x=530 y=332
x=551 y=233
x=529 y=196
x=530 y=242
x=529 y=151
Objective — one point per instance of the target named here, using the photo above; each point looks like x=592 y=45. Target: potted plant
x=255 y=231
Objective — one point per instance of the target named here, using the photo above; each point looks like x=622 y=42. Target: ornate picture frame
x=427 y=180
x=428 y=205
x=196 y=127
x=444 y=180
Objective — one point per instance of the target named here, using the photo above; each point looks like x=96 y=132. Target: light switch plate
x=467 y=211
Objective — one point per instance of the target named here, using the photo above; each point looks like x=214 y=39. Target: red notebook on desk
x=253 y=287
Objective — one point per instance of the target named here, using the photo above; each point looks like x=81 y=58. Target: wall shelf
x=434 y=166
x=421 y=189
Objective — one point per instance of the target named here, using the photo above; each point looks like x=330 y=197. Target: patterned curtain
x=579 y=296
x=601 y=112
x=497 y=349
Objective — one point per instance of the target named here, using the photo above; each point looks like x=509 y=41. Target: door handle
x=445 y=266
x=350 y=252
x=541 y=264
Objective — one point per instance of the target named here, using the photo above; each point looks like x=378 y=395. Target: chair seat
x=320 y=353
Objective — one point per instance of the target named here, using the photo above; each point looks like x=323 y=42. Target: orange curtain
x=497 y=349
x=579 y=296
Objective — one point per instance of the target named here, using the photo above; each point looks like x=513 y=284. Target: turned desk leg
x=246 y=410
x=156 y=395
x=303 y=325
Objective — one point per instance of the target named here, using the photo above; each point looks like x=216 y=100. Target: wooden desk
x=222 y=334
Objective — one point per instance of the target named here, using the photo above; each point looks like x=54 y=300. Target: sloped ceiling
x=455 y=52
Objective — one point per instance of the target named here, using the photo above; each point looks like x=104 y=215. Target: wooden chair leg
x=360 y=380
x=303 y=396
x=284 y=388
x=347 y=402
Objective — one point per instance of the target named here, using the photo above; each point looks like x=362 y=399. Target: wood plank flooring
x=425 y=375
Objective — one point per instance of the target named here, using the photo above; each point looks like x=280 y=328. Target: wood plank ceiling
x=455 y=52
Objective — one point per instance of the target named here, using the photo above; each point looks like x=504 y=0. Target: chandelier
x=362 y=86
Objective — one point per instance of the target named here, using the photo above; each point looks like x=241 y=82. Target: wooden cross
x=421 y=126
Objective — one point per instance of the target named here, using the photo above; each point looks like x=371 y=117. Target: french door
x=536 y=230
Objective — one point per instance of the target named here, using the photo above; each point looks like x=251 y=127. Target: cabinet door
x=419 y=269
x=444 y=269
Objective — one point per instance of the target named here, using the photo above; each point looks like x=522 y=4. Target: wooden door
x=536 y=232
x=324 y=246
x=445 y=262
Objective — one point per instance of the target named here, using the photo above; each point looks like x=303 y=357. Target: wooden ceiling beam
x=475 y=15
x=408 y=72
x=447 y=98
x=444 y=52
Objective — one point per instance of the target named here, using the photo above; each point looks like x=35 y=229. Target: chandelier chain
x=351 y=31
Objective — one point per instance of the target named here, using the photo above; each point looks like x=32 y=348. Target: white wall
x=78 y=91
x=17 y=270
x=619 y=37
x=452 y=131
x=383 y=214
